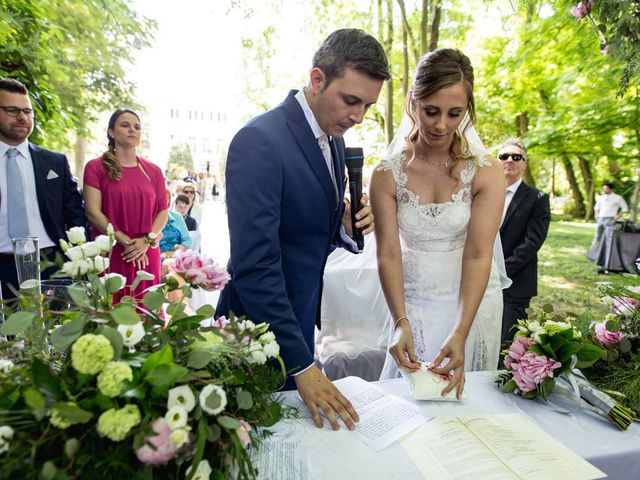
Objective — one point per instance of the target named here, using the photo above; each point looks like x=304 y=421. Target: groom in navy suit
x=38 y=195
x=285 y=185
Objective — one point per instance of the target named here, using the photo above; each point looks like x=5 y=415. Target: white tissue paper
x=426 y=385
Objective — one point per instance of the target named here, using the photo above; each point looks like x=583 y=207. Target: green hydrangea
x=111 y=376
x=57 y=420
x=210 y=339
x=90 y=353
x=553 y=328
x=115 y=424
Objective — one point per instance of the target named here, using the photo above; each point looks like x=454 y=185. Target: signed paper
x=493 y=447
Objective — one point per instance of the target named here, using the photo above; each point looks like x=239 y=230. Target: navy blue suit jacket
x=284 y=220
x=60 y=203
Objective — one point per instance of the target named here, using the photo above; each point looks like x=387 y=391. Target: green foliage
x=72 y=55
x=180 y=159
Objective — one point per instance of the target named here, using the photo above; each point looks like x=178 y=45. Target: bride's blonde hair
x=436 y=70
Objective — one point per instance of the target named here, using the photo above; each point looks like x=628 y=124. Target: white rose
x=176 y=417
x=100 y=264
x=257 y=355
x=75 y=253
x=104 y=243
x=203 y=471
x=179 y=437
x=76 y=235
x=64 y=245
x=6 y=434
x=182 y=396
x=123 y=279
x=110 y=230
x=271 y=349
x=131 y=334
x=267 y=337
x=5 y=365
x=90 y=249
x=213 y=392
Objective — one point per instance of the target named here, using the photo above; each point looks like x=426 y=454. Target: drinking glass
x=26 y=251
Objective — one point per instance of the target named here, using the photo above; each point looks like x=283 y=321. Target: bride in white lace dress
x=437 y=208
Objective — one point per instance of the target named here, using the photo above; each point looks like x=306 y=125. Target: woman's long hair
x=436 y=70
x=109 y=159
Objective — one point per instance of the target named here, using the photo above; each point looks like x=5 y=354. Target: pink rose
x=582 y=9
x=532 y=370
x=164 y=449
x=186 y=260
x=517 y=349
x=626 y=306
x=243 y=433
x=605 y=337
x=217 y=276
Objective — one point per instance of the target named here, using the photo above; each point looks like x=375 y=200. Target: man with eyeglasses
x=38 y=195
x=524 y=227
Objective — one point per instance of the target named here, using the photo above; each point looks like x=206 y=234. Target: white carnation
x=267 y=337
x=257 y=355
x=271 y=349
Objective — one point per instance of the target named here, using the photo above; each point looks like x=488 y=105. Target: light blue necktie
x=16 y=207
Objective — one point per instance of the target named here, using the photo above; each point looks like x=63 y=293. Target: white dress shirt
x=511 y=191
x=36 y=226
x=607 y=205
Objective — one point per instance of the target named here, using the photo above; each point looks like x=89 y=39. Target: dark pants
x=9 y=276
x=514 y=310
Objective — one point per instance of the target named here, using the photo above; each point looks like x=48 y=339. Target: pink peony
x=582 y=9
x=243 y=433
x=517 y=349
x=164 y=449
x=532 y=370
x=605 y=337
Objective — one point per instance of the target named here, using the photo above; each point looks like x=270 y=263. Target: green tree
x=180 y=159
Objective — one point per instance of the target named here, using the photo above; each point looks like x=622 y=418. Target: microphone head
x=353 y=157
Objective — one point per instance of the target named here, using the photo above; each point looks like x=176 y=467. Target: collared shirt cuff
x=303 y=370
x=348 y=241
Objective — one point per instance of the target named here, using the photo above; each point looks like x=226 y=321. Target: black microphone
x=354 y=159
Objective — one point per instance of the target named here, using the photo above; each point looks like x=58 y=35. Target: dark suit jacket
x=191 y=223
x=522 y=233
x=60 y=202
x=284 y=220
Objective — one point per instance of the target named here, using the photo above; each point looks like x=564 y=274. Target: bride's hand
x=401 y=348
x=453 y=349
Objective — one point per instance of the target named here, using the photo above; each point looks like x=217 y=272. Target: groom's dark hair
x=352 y=48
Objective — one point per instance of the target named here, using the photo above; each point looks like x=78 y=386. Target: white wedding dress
x=432 y=238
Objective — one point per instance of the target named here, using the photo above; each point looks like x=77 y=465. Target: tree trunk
x=615 y=171
x=435 y=25
x=587 y=176
x=575 y=188
x=553 y=178
x=424 y=26
x=522 y=127
x=405 y=63
x=389 y=100
x=80 y=154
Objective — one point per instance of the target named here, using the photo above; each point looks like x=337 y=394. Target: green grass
x=566 y=278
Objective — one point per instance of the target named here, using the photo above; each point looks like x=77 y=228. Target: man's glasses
x=516 y=157
x=188 y=191
x=15 y=111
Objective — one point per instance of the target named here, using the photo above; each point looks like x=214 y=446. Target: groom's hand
x=364 y=217
x=318 y=392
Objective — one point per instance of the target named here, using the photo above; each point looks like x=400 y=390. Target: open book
x=493 y=447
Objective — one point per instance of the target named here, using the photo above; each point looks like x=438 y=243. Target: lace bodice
x=438 y=227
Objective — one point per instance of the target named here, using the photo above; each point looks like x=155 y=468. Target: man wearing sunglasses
x=525 y=222
x=38 y=195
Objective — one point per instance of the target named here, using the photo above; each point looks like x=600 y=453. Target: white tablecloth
x=340 y=455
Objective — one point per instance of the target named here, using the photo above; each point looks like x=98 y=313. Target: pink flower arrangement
x=605 y=337
x=163 y=448
x=582 y=9
x=243 y=433
x=625 y=306
x=532 y=369
x=517 y=349
x=200 y=271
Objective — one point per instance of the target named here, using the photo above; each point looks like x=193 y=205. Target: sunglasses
x=516 y=157
x=188 y=191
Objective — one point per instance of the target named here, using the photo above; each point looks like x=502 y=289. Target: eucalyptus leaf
x=73 y=413
x=17 y=323
x=163 y=356
x=165 y=375
x=79 y=295
x=114 y=337
x=198 y=358
x=124 y=315
x=244 y=400
x=206 y=311
x=213 y=433
x=227 y=422
x=153 y=300
x=34 y=399
x=62 y=337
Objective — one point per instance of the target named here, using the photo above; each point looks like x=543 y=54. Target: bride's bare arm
x=486 y=210
x=383 y=204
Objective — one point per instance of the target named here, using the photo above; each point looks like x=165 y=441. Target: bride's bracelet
x=397 y=320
